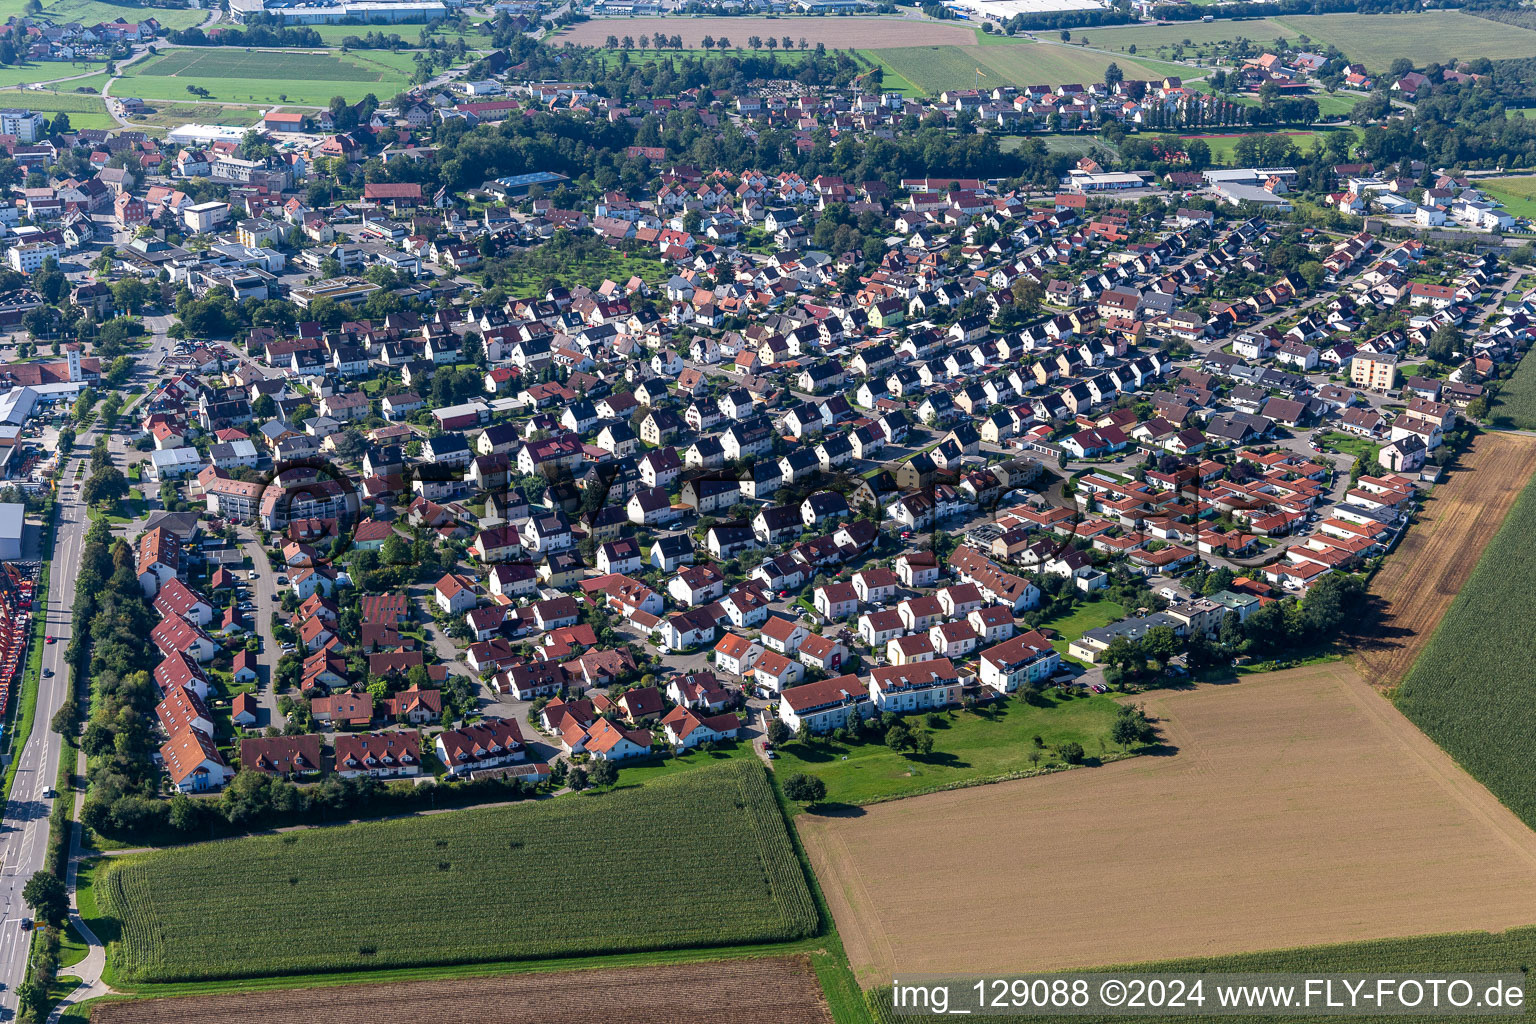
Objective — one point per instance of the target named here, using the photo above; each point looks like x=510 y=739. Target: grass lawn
x=1084 y=617
x=266 y=76
x=1376 y=40
x=1196 y=37
x=969 y=747
x=1076 y=145
x=1224 y=146
x=47 y=71
x=72 y=948
x=656 y=768
x=84 y=110
x=587 y=270
x=1349 y=444
x=1518 y=194
x=174 y=115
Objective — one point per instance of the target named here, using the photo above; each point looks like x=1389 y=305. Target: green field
x=1197 y=37
x=1349 y=444
x=969 y=747
x=1515 y=406
x=84 y=110
x=265 y=76
x=1431 y=955
x=1224 y=146
x=1376 y=40
x=1517 y=194
x=1076 y=144
x=47 y=71
x=933 y=69
x=706 y=857
x=92 y=12
x=1472 y=690
x=172 y=115
x=1084 y=617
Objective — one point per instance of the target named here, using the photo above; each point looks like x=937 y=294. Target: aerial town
x=788 y=470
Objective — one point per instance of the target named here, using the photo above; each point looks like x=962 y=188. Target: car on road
x=47 y=672
x=50 y=638
x=255 y=575
x=26 y=924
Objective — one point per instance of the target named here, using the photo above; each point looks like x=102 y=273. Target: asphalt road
x=24 y=829
x=24 y=832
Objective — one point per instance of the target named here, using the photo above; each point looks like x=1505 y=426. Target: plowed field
x=781 y=989
x=1426 y=571
x=1300 y=808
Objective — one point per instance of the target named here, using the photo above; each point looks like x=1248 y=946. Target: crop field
x=1325 y=814
x=91 y=12
x=1431 y=565
x=1473 y=690
x=740 y=991
x=267 y=76
x=1192 y=35
x=1429 y=955
x=969 y=747
x=1518 y=194
x=1516 y=402
x=709 y=847
x=833 y=33
x=933 y=69
x=84 y=110
x=1376 y=40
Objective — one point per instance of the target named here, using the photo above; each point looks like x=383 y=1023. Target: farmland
x=170 y=115
x=1518 y=194
x=91 y=12
x=1472 y=690
x=1373 y=39
x=833 y=33
x=933 y=69
x=1343 y=821
x=969 y=747
x=47 y=71
x=1516 y=402
x=1376 y=40
x=266 y=76
x=781 y=988
x=84 y=110
x=1436 y=557
x=1194 y=36
x=1465 y=952
x=711 y=845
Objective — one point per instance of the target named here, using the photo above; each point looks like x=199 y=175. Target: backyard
x=969 y=747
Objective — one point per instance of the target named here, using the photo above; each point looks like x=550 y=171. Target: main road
x=24 y=829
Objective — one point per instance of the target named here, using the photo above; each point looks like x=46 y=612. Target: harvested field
x=1299 y=808
x=781 y=988
x=834 y=33
x=1428 y=568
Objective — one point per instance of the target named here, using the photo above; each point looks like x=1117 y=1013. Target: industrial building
x=13 y=519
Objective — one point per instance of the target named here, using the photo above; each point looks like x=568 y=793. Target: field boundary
x=1421 y=577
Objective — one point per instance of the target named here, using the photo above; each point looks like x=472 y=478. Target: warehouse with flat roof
x=13 y=522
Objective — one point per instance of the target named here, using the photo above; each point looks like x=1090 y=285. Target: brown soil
x=742 y=991
x=834 y=33
x=1300 y=808
x=1420 y=578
